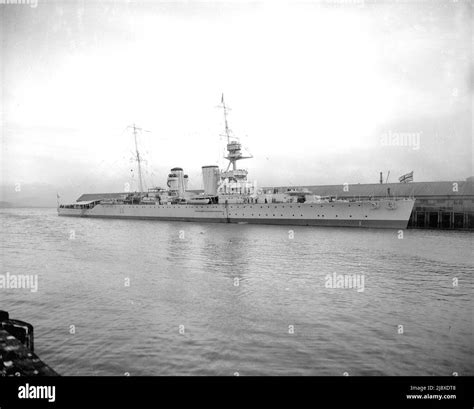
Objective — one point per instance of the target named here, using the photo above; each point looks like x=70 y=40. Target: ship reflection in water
x=174 y=298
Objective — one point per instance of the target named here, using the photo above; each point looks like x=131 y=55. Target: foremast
x=234 y=149
x=233 y=180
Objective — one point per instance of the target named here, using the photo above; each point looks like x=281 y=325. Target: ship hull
x=382 y=214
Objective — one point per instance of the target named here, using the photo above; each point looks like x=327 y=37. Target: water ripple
x=158 y=298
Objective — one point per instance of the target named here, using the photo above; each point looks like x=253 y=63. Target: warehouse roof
x=416 y=189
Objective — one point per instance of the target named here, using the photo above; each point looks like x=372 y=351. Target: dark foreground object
x=16 y=350
x=240 y=392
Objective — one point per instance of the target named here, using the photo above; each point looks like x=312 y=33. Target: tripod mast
x=234 y=147
x=138 y=158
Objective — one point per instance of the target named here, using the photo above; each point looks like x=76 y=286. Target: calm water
x=83 y=264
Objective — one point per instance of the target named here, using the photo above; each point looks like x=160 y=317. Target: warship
x=229 y=197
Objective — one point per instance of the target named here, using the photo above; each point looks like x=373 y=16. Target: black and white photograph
x=273 y=196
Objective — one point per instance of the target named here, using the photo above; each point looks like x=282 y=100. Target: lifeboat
x=199 y=200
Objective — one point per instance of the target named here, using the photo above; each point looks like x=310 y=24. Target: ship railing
x=368 y=198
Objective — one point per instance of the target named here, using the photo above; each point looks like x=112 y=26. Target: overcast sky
x=320 y=91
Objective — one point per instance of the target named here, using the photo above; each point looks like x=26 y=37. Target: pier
x=17 y=357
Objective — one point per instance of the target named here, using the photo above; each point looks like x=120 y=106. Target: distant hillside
x=28 y=195
x=45 y=195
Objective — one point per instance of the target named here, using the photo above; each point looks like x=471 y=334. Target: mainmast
x=138 y=159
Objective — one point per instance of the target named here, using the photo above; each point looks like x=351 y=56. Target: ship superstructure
x=229 y=197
